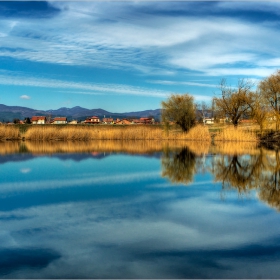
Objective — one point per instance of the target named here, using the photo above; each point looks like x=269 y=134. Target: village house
x=92 y=120
x=136 y=121
x=60 y=120
x=123 y=121
x=108 y=121
x=208 y=120
x=73 y=122
x=146 y=120
x=38 y=120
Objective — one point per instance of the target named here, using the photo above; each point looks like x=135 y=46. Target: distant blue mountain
x=8 y=113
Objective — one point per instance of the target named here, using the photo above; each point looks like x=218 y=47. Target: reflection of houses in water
x=81 y=156
x=99 y=155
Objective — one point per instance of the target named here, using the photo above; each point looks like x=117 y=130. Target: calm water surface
x=169 y=213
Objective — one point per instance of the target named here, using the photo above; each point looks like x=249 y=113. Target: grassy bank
x=8 y=132
x=233 y=134
x=124 y=133
x=86 y=133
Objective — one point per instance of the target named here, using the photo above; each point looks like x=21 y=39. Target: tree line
x=235 y=103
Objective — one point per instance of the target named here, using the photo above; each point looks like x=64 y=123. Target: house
x=124 y=121
x=38 y=120
x=108 y=120
x=73 y=122
x=147 y=120
x=136 y=121
x=60 y=120
x=92 y=120
x=250 y=121
x=208 y=120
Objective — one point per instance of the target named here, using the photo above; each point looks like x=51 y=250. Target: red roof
x=145 y=118
x=37 y=118
x=60 y=119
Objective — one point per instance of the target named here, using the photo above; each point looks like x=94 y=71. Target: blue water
x=120 y=216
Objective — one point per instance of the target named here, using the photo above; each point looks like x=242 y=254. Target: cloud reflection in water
x=123 y=227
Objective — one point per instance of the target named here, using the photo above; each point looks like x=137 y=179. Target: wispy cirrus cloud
x=80 y=88
x=199 y=84
x=91 y=34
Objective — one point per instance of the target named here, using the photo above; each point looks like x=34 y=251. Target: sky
x=125 y=56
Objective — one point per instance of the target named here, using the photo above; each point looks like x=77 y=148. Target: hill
x=8 y=113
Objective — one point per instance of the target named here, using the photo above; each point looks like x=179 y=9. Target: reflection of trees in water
x=270 y=191
x=179 y=166
x=242 y=172
x=259 y=172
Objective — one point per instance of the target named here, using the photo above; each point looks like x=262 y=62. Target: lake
x=139 y=210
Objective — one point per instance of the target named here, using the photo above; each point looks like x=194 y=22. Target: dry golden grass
x=236 y=135
x=136 y=132
x=9 y=132
x=199 y=133
x=94 y=132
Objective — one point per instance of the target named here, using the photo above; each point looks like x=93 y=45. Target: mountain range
x=9 y=113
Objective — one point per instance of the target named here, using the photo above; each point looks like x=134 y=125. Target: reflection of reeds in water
x=198 y=147
x=235 y=148
x=236 y=135
x=132 y=147
x=9 y=132
x=10 y=147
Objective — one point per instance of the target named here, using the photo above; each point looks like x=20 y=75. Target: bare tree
x=270 y=91
x=259 y=110
x=202 y=110
x=235 y=102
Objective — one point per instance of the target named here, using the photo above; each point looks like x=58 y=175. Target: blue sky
x=131 y=55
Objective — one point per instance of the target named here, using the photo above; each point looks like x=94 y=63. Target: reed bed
x=73 y=133
x=8 y=132
x=236 y=135
x=199 y=133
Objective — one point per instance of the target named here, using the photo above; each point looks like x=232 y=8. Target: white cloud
x=25 y=170
x=25 y=97
x=128 y=238
x=82 y=180
x=198 y=84
x=88 y=88
x=94 y=34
